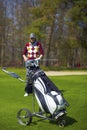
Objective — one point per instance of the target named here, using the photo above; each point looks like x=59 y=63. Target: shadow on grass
x=62 y=91
x=69 y=121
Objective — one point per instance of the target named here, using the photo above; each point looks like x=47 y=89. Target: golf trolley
x=51 y=102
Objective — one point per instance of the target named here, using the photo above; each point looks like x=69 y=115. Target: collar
x=34 y=43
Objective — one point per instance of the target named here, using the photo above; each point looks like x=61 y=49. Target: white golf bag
x=49 y=98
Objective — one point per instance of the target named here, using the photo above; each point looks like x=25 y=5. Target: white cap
x=32 y=35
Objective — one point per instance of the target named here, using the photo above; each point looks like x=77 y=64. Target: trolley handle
x=32 y=63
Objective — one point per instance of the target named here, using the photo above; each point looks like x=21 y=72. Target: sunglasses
x=32 y=38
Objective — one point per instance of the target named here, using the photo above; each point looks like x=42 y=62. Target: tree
x=77 y=20
x=2 y=31
x=43 y=22
x=60 y=25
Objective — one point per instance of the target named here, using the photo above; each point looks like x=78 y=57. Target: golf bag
x=49 y=97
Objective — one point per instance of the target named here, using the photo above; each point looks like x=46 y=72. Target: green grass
x=74 y=89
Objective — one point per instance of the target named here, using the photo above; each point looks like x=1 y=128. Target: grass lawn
x=74 y=89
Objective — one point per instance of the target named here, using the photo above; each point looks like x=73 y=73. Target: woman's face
x=32 y=39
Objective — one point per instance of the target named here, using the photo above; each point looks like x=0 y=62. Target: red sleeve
x=24 y=52
x=41 y=49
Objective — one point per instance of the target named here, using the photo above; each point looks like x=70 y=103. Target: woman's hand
x=25 y=58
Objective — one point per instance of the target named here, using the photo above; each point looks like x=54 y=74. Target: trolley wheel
x=62 y=123
x=24 y=116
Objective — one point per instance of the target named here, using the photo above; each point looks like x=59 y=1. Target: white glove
x=38 y=58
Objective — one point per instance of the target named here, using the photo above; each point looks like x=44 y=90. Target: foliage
x=77 y=16
x=60 y=25
x=42 y=17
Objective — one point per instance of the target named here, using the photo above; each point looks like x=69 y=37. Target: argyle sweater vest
x=32 y=51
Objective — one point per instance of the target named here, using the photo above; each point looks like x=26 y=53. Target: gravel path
x=62 y=73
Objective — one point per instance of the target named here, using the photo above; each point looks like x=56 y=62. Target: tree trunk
x=48 y=45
